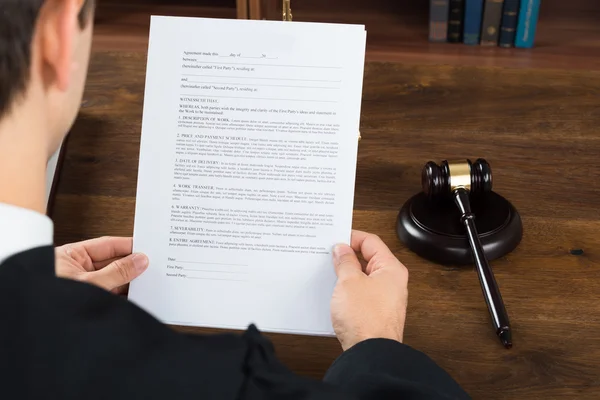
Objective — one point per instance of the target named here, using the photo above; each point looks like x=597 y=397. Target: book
x=527 y=24
x=508 y=26
x=490 y=26
x=455 y=21
x=438 y=20
x=472 y=24
x=246 y=170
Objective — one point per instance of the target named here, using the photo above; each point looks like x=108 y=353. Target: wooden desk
x=540 y=130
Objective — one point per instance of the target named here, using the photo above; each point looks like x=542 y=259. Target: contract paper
x=247 y=171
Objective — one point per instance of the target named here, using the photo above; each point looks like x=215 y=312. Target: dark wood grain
x=123 y=25
x=567 y=35
x=568 y=32
x=539 y=131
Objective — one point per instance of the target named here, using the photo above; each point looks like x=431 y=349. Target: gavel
x=459 y=180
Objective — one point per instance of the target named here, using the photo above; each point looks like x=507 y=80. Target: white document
x=247 y=170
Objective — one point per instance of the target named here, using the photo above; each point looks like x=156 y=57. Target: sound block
x=432 y=228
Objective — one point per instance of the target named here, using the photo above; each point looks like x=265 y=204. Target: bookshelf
x=568 y=33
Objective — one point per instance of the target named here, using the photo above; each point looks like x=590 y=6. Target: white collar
x=22 y=229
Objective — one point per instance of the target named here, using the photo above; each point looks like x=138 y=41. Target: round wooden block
x=432 y=228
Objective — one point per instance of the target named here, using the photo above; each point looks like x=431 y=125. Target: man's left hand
x=106 y=262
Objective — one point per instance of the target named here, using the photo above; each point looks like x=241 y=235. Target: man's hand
x=106 y=262
x=370 y=298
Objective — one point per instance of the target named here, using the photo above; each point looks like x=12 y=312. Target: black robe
x=61 y=339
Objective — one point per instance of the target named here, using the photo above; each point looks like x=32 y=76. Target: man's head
x=44 y=55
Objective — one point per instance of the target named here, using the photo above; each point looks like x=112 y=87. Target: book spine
x=473 y=14
x=438 y=20
x=456 y=19
x=526 y=27
x=490 y=27
x=508 y=26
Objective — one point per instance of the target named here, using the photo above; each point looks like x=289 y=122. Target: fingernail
x=341 y=250
x=140 y=262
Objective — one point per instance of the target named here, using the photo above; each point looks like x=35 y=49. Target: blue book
x=473 y=15
x=508 y=26
x=526 y=27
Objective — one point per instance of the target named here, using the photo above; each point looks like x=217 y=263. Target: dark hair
x=17 y=23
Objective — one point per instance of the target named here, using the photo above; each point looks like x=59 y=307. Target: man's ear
x=57 y=31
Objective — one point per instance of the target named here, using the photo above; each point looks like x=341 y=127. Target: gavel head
x=442 y=180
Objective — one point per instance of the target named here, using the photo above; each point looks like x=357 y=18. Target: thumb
x=346 y=263
x=120 y=272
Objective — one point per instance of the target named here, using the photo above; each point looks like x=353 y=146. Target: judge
x=66 y=333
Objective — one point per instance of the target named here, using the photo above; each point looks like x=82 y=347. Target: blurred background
x=567 y=35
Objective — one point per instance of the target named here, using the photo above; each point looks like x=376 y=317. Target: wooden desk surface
x=539 y=129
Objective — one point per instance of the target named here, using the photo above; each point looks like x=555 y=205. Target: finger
x=108 y=247
x=363 y=264
x=374 y=251
x=345 y=262
x=101 y=264
x=119 y=272
x=76 y=252
x=368 y=244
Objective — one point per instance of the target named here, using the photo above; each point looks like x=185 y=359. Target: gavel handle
x=491 y=293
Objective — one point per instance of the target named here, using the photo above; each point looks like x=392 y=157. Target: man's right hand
x=370 y=298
